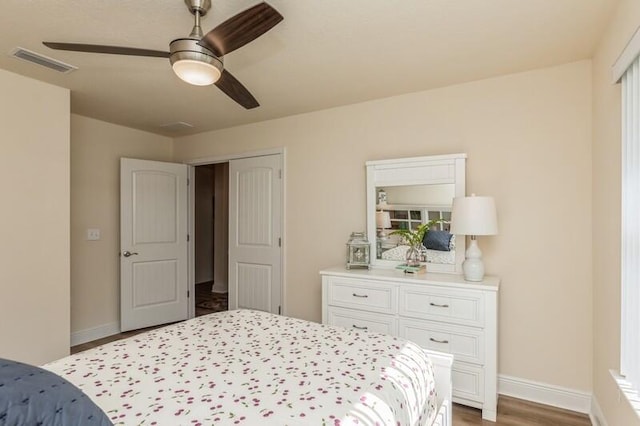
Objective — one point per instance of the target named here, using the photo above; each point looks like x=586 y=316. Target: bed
x=253 y=368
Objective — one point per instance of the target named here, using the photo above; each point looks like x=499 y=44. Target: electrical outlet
x=93 y=234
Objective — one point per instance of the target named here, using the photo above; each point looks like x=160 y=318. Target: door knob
x=128 y=253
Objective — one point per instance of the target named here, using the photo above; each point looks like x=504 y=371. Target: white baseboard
x=543 y=393
x=95 y=333
x=596 y=415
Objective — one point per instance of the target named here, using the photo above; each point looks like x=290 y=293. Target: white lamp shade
x=474 y=216
x=383 y=220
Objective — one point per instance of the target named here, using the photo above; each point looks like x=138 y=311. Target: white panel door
x=153 y=243
x=255 y=255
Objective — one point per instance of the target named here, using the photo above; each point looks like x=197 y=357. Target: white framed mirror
x=407 y=192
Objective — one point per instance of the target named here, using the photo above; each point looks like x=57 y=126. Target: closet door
x=255 y=253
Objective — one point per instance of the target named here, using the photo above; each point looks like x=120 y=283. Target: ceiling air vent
x=176 y=127
x=38 y=59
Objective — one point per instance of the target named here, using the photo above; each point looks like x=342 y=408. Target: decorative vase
x=414 y=255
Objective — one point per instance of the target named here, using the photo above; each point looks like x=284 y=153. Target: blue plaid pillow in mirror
x=437 y=240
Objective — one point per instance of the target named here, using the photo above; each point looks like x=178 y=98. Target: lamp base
x=473 y=267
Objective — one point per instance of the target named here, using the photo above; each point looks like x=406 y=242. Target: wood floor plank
x=516 y=412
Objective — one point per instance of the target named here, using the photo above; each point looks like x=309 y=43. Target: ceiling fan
x=198 y=59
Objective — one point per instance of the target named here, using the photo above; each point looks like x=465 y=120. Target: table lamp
x=473 y=216
x=383 y=221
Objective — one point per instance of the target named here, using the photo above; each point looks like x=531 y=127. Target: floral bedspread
x=253 y=368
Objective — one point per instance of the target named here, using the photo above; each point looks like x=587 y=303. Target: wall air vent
x=176 y=127
x=44 y=61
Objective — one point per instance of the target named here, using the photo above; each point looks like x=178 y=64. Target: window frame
x=628 y=378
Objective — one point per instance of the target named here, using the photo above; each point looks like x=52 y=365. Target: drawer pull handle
x=360 y=328
x=438 y=341
x=360 y=295
x=438 y=306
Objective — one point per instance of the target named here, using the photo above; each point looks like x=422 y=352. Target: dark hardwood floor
x=516 y=412
x=208 y=302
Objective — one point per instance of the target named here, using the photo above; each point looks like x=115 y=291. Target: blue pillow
x=437 y=240
x=33 y=396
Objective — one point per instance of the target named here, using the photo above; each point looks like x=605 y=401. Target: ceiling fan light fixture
x=193 y=63
x=196 y=72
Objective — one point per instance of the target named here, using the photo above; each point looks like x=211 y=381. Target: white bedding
x=253 y=368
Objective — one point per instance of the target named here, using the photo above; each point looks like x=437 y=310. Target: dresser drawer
x=442 y=304
x=468 y=382
x=464 y=343
x=358 y=320
x=439 y=312
x=361 y=294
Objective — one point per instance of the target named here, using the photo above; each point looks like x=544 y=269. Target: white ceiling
x=325 y=53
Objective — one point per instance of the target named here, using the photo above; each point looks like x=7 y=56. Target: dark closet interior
x=211 y=238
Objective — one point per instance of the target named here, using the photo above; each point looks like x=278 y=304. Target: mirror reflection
x=408 y=207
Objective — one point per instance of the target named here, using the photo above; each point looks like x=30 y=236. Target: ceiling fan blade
x=241 y=29
x=113 y=50
x=236 y=91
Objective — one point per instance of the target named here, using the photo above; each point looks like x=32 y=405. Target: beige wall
x=528 y=140
x=606 y=214
x=34 y=220
x=96 y=148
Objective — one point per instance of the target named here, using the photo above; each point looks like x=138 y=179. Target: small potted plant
x=414 y=238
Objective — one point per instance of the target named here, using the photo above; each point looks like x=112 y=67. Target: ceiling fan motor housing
x=188 y=48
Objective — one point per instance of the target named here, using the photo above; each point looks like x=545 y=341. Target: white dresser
x=441 y=312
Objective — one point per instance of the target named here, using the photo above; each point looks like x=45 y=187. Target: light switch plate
x=93 y=234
